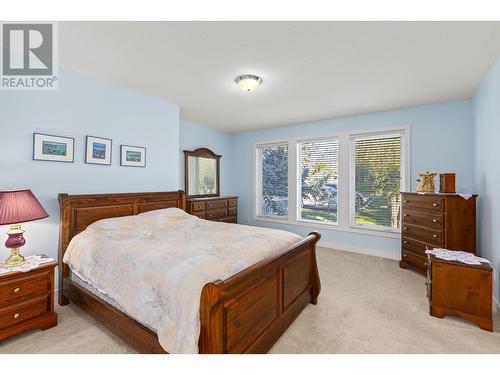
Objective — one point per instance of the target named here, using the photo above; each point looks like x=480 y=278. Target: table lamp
x=18 y=206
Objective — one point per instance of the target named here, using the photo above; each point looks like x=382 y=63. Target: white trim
x=496 y=306
x=316 y=225
x=344 y=179
x=295 y=139
x=326 y=223
x=274 y=218
x=393 y=255
x=292 y=181
x=254 y=181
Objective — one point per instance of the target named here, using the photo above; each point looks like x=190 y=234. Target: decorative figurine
x=426 y=183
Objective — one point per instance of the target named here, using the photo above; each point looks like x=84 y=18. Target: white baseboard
x=395 y=255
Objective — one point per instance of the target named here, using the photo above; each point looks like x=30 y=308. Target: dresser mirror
x=201 y=173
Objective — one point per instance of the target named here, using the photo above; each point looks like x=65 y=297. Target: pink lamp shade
x=19 y=206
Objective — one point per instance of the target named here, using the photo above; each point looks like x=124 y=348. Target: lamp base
x=15 y=259
x=14 y=242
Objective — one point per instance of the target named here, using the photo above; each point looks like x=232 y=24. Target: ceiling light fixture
x=248 y=82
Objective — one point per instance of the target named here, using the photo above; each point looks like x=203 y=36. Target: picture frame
x=48 y=147
x=132 y=156
x=98 y=150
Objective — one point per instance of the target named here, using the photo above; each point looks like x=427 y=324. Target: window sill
x=277 y=219
x=335 y=227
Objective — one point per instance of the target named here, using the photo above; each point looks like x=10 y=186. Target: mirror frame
x=201 y=153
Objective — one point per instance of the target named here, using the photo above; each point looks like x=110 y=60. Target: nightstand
x=27 y=300
x=461 y=290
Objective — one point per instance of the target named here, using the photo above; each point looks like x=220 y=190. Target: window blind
x=377 y=164
x=273 y=179
x=318 y=182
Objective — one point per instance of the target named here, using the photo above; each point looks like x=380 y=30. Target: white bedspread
x=154 y=265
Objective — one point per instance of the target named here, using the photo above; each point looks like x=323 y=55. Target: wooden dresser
x=461 y=290
x=432 y=220
x=27 y=300
x=214 y=208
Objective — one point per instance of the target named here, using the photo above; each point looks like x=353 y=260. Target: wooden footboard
x=248 y=312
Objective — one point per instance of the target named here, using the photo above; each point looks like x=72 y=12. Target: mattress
x=87 y=285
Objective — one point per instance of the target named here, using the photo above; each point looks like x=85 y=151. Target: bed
x=244 y=312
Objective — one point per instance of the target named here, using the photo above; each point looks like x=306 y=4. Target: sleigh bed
x=244 y=313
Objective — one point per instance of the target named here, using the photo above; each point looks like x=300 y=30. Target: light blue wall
x=487 y=123
x=441 y=141
x=193 y=136
x=83 y=106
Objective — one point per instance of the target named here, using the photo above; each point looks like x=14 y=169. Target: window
x=377 y=180
x=348 y=181
x=318 y=171
x=272 y=180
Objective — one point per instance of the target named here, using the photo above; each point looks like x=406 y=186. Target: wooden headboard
x=79 y=211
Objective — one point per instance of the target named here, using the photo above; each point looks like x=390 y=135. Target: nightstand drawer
x=20 y=287
x=233 y=202
x=215 y=214
x=200 y=214
x=217 y=204
x=430 y=236
x=423 y=219
x=414 y=246
x=197 y=206
x=422 y=201
x=415 y=261
x=23 y=311
x=228 y=220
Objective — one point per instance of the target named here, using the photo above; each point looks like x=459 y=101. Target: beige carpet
x=367 y=305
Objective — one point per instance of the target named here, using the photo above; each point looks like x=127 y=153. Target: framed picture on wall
x=132 y=156
x=98 y=150
x=53 y=148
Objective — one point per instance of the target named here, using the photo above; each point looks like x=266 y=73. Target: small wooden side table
x=461 y=290
x=27 y=300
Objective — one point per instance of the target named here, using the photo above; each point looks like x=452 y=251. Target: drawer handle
x=405 y=241
x=405 y=255
x=434 y=205
x=434 y=220
x=435 y=235
x=405 y=228
x=17 y=290
x=16 y=315
x=425 y=263
x=405 y=215
x=405 y=201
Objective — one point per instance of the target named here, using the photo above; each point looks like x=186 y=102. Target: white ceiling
x=310 y=70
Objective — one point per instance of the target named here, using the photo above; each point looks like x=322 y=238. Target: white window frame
x=257 y=196
x=404 y=178
x=298 y=181
x=345 y=176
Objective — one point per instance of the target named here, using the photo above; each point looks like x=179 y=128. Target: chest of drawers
x=214 y=208
x=435 y=220
x=27 y=300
